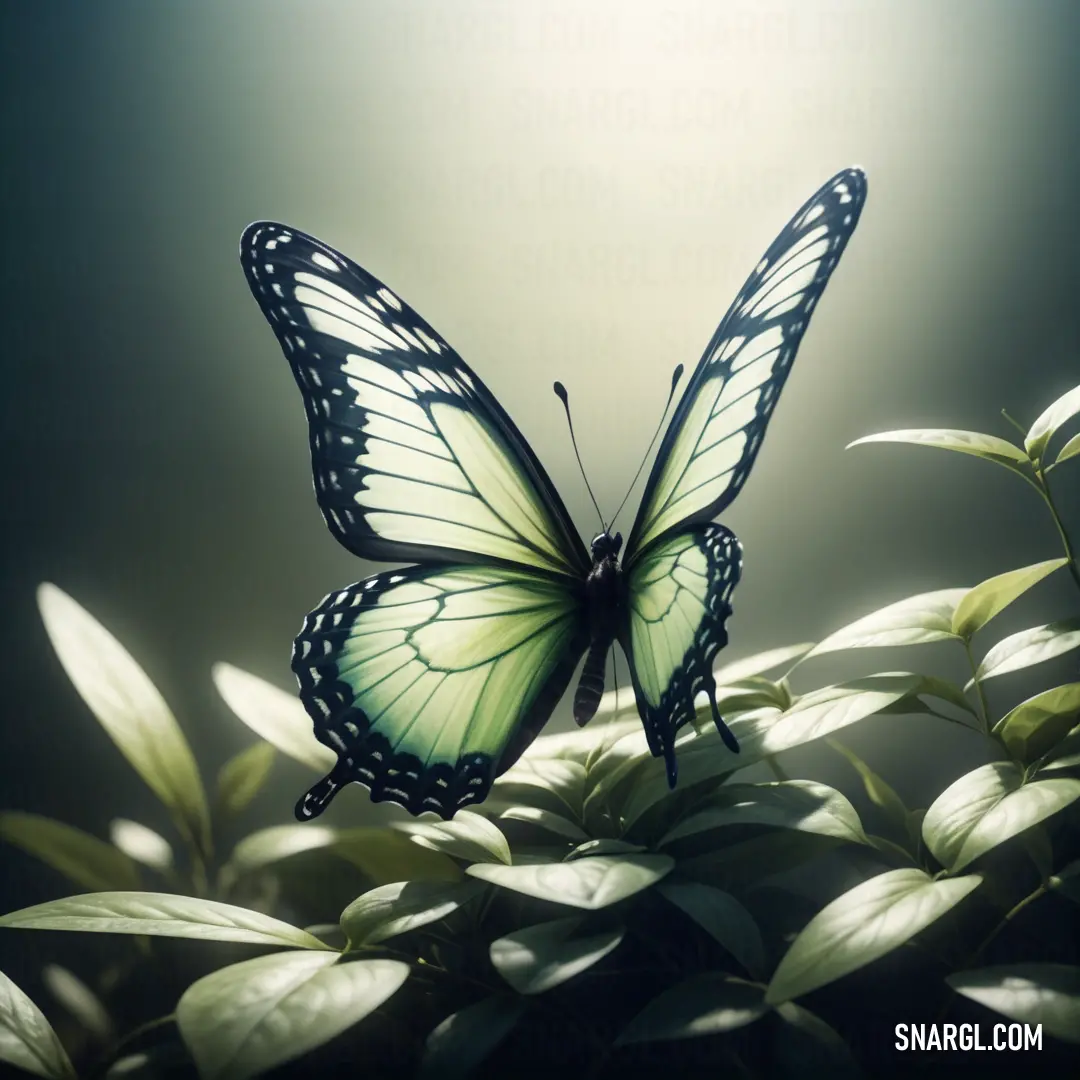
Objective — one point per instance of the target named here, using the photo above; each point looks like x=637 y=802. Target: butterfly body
x=431 y=680
x=606 y=601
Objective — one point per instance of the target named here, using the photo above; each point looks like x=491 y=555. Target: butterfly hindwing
x=428 y=682
x=716 y=431
x=679 y=598
x=413 y=458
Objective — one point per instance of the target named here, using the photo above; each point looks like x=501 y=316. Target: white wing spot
x=363 y=367
x=429 y=341
x=319 y=259
x=388 y=297
x=402 y=332
x=418 y=381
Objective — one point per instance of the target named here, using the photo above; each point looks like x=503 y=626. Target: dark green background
x=566 y=191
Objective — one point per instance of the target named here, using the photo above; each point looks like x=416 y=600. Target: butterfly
x=431 y=680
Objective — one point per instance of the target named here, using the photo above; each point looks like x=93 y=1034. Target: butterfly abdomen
x=590 y=687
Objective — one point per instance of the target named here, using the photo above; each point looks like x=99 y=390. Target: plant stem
x=1005 y=920
x=1066 y=543
x=777 y=768
x=199 y=880
x=1019 y=427
x=980 y=694
x=101 y=1066
x=974 y=956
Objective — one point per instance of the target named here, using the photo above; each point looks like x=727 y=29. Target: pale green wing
x=679 y=598
x=429 y=682
x=715 y=434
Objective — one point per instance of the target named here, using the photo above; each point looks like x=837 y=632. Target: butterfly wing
x=681 y=573
x=426 y=682
x=413 y=458
x=679 y=599
x=430 y=681
x=716 y=431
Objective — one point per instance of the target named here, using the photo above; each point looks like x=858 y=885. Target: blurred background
x=564 y=190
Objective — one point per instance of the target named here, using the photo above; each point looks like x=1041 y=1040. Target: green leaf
x=27 y=1039
x=609 y=772
x=242 y=777
x=251 y=1017
x=813 y=716
x=542 y=957
x=703 y=1005
x=561 y=777
x=1046 y=994
x=721 y=916
x=862 y=925
x=989 y=447
x=578 y=745
x=387 y=856
x=389 y=910
x=467 y=836
x=810 y=1047
x=465 y=1038
x=988 y=806
x=877 y=790
x=1037 y=725
x=1065 y=755
x=589 y=883
x=129 y=708
x=738 y=866
x=141 y=844
x=384 y=855
x=957 y=811
x=1030 y=647
x=759 y=663
x=785 y=804
x=535 y=815
x=992 y=596
x=267 y=846
x=1052 y=418
x=1069 y=450
x=941 y=688
x=273 y=715
x=80 y=857
x=603 y=847
x=159 y=915
x=79 y=1000
x=914 y=621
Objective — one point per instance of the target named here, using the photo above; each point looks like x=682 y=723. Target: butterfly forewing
x=427 y=682
x=716 y=431
x=413 y=458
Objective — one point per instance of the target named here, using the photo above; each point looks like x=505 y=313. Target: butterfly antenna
x=675 y=377
x=561 y=394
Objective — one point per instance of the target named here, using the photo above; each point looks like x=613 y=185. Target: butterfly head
x=604 y=546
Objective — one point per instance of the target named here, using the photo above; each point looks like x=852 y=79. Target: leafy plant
x=585 y=915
